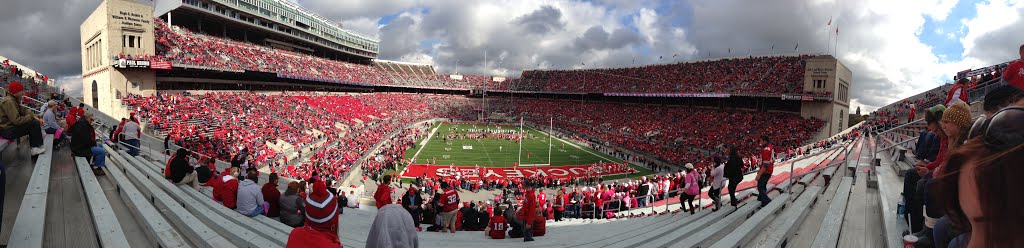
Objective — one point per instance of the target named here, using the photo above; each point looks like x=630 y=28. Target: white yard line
x=489 y=160
x=422 y=145
x=581 y=148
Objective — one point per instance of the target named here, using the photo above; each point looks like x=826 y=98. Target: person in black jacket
x=83 y=144
x=182 y=173
x=412 y=202
x=734 y=172
x=205 y=173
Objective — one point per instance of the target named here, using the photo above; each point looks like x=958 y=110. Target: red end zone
x=561 y=172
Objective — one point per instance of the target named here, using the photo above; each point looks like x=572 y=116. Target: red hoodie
x=383 y=195
x=226 y=193
x=306 y=236
x=529 y=210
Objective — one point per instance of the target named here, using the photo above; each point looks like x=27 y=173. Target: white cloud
x=72 y=85
x=993 y=36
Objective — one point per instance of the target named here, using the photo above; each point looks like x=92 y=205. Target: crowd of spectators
x=181 y=46
x=782 y=74
x=261 y=127
x=779 y=74
x=668 y=132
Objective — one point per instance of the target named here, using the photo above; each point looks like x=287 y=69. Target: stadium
x=261 y=123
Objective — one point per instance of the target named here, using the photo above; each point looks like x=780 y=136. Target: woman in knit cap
x=955 y=123
x=321 y=229
x=393 y=227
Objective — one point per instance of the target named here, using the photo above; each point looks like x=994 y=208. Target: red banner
x=160 y=65
x=471 y=172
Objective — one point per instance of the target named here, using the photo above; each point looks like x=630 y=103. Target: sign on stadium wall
x=562 y=172
x=127 y=63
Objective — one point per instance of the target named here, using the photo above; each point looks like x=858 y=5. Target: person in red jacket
x=321 y=225
x=539 y=226
x=383 y=193
x=528 y=212
x=958 y=92
x=226 y=191
x=498 y=225
x=450 y=207
x=272 y=196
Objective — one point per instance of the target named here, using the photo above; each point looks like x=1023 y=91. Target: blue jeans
x=762 y=190
x=133 y=147
x=259 y=211
x=641 y=201
x=943 y=233
x=99 y=157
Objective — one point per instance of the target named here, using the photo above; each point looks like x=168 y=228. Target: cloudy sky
x=895 y=48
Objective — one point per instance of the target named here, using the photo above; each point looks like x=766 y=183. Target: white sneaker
x=37 y=150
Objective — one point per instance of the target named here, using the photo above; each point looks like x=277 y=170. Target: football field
x=494 y=152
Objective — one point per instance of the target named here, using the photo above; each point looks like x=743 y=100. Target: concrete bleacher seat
x=780 y=232
x=237 y=234
x=205 y=195
x=889 y=189
x=108 y=230
x=28 y=227
x=704 y=237
x=808 y=178
x=641 y=230
x=676 y=229
x=828 y=235
x=756 y=222
x=158 y=228
x=195 y=230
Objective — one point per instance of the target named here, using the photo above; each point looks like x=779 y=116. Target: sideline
x=422 y=144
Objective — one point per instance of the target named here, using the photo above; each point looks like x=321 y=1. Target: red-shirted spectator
x=958 y=92
x=528 y=212
x=272 y=196
x=226 y=191
x=450 y=207
x=383 y=193
x=497 y=226
x=1014 y=73
x=765 y=171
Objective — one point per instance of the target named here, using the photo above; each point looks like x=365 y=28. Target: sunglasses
x=1004 y=130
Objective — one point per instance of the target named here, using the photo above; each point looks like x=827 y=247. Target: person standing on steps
x=764 y=172
x=717 y=181
x=734 y=172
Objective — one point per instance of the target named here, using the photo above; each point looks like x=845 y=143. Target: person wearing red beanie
x=321 y=229
x=17 y=121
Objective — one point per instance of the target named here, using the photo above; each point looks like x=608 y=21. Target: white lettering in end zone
x=467 y=147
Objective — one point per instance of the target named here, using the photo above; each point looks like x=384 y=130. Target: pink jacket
x=691 y=181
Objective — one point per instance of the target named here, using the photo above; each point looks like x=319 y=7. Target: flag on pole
x=837 y=29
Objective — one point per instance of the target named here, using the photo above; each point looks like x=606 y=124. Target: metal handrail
x=792 y=164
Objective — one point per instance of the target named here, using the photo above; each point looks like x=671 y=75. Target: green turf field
x=502 y=152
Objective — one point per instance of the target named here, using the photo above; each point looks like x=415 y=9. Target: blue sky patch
x=944 y=36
